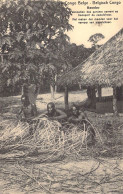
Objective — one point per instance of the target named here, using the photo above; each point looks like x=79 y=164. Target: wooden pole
x=99 y=92
x=1 y=58
x=55 y=83
x=66 y=98
x=115 y=109
x=93 y=97
x=52 y=91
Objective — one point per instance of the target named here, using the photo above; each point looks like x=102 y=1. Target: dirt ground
x=97 y=168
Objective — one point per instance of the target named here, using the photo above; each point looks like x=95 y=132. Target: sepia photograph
x=61 y=97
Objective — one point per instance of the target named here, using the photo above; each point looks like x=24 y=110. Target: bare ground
x=96 y=169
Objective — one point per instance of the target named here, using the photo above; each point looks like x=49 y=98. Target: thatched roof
x=104 y=67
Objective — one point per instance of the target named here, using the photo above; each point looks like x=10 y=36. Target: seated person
x=54 y=113
x=79 y=117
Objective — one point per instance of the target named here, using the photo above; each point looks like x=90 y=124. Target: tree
x=29 y=31
x=94 y=39
x=77 y=54
x=56 y=61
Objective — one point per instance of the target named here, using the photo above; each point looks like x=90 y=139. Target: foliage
x=77 y=54
x=94 y=39
x=32 y=32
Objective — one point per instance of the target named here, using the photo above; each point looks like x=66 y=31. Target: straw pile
x=13 y=131
x=43 y=138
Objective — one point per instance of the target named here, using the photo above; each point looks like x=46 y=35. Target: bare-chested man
x=53 y=113
x=79 y=118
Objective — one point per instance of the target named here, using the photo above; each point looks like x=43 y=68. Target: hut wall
x=119 y=93
x=107 y=107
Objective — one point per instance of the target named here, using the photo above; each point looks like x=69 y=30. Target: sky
x=81 y=32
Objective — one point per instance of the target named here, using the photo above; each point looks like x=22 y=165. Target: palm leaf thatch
x=104 y=67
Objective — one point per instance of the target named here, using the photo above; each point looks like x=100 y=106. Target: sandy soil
x=99 y=170
x=85 y=176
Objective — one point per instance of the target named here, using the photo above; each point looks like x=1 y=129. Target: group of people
x=76 y=117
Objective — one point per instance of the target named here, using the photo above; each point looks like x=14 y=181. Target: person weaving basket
x=80 y=119
x=53 y=113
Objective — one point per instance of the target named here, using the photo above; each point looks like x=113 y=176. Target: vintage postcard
x=61 y=96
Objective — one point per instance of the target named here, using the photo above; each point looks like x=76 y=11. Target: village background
x=39 y=41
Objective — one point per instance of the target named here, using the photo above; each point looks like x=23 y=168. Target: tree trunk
x=93 y=97
x=1 y=58
x=55 y=83
x=80 y=86
x=99 y=93
x=115 y=109
x=52 y=91
x=89 y=92
x=66 y=98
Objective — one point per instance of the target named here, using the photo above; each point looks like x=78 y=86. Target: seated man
x=54 y=113
x=79 y=117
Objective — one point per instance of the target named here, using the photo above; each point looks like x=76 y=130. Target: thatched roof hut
x=104 y=67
